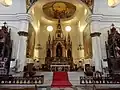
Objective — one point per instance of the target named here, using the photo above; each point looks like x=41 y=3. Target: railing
x=22 y=80
x=99 y=80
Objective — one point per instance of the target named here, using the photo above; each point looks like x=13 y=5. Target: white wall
x=104 y=16
x=18 y=6
x=101 y=7
x=16 y=18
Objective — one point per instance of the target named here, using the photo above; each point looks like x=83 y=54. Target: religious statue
x=113 y=50
x=5 y=49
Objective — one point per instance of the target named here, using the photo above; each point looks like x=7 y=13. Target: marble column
x=22 y=45
x=96 y=51
x=21 y=54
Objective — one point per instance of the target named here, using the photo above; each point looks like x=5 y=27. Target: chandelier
x=80 y=47
x=38 y=47
x=6 y=2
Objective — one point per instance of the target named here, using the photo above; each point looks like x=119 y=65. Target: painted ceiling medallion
x=59 y=9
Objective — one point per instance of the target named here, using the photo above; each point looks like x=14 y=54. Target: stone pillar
x=96 y=51
x=22 y=45
x=21 y=55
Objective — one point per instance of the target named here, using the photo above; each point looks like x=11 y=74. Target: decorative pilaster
x=22 y=45
x=21 y=55
x=96 y=50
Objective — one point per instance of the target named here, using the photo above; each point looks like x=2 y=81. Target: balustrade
x=22 y=80
x=99 y=80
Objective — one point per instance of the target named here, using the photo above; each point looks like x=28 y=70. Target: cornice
x=104 y=18
x=15 y=17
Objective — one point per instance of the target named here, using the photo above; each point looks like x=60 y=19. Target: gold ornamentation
x=89 y=3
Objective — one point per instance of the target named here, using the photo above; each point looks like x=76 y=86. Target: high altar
x=59 y=51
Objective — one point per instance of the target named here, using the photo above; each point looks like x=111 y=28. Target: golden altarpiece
x=59 y=50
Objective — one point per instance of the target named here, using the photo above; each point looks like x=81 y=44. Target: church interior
x=59 y=44
x=63 y=16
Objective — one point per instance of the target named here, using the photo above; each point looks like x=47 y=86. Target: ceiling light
x=49 y=28
x=113 y=3
x=6 y=2
x=68 y=28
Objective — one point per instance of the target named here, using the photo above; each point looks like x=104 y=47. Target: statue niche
x=69 y=54
x=48 y=53
x=59 y=49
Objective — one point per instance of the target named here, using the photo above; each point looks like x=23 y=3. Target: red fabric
x=60 y=80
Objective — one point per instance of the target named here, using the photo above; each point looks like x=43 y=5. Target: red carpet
x=60 y=80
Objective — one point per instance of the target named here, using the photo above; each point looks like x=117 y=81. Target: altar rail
x=22 y=80
x=99 y=80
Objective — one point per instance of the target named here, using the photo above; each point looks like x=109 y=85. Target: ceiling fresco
x=89 y=3
x=59 y=9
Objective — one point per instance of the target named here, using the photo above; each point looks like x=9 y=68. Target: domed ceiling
x=59 y=9
x=72 y=12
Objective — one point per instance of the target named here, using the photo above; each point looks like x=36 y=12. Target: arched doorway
x=80 y=33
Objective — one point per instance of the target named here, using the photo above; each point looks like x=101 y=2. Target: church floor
x=74 y=78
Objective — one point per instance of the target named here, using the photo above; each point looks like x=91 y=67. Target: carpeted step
x=60 y=79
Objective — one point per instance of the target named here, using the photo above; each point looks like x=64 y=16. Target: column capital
x=94 y=34
x=16 y=17
x=23 y=33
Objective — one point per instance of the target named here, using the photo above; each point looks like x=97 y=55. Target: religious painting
x=87 y=44
x=59 y=9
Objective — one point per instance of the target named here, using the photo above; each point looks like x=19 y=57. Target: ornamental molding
x=16 y=17
x=23 y=33
x=95 y=34
x=104 y=18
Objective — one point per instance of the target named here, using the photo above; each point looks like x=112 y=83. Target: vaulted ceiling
x=40 y=18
